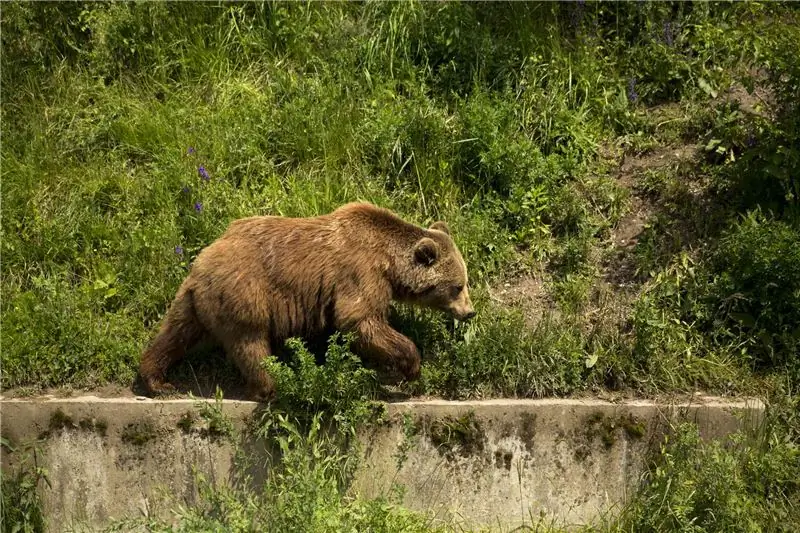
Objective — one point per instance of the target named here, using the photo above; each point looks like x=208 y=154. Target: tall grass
x=488 y=116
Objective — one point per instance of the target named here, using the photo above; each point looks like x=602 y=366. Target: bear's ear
x=441 y=226
x=426 y=251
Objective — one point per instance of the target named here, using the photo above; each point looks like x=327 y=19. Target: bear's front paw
x=162 y=389
x=261 y=393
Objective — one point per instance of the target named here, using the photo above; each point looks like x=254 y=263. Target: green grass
x=507 y=120
x=104 y=139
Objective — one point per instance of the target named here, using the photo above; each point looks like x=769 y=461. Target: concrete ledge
x=478 y=462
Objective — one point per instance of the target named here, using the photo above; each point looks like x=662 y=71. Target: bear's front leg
x=379 y=341
x=248 y=350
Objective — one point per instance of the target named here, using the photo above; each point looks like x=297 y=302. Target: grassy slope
x=545 y=134
x=506 y=122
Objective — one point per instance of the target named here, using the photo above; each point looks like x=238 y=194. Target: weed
x=410 y=433
x=218 y=425
x=635 y=429
x=342 y=386
x=138 y=433
x=21 y=509
x=463 y=435
x=747 y=485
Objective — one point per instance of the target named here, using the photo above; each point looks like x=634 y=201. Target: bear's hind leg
x=179 y=331
x=247 y=352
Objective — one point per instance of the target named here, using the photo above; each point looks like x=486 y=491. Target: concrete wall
x=511 y=461
x=481 y=463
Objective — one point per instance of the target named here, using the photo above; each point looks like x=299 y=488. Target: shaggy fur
x=269 y=278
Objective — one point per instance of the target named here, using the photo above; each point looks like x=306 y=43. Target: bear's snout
x=468 y=315
x=463 y=312
x=461 y=308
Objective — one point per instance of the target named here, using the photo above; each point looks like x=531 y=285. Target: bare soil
x=528 y=294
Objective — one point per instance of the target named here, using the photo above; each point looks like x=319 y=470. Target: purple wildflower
x=190 y=151
x=186 y=189
x=198 y=206
x=576 y=17
x=633 y=96
x=751 y=140
x=203 y=173
x=179 y=250
x=668 y=34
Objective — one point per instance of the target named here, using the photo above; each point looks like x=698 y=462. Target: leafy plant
x=21 y=510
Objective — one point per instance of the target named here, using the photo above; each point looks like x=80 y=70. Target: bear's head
x=439 y=275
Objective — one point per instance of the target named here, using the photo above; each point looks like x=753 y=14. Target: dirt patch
x=526 y=293
x=620 y=270
x=104 y=391
x=760 y=102
x=631 y=167
x=627 y=231
x=630 y=173
x=204 y=386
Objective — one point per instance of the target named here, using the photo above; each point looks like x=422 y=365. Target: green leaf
x=744 y=319
x=706 y=87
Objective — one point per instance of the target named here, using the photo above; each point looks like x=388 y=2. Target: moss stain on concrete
x=60 y=421
x=503 y=459
x=138 y=433
x=457 y=435
x=606 y=428
x=527 y=430
x=186 y=421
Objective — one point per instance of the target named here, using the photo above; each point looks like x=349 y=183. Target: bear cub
x=268 y=278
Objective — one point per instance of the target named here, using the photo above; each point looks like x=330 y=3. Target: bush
x=757 y=290
x=747 y=484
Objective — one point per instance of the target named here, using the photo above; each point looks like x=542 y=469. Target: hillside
x=622 y=180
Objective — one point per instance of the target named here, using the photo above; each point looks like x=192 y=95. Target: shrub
x=747 y=484
x=757 y=289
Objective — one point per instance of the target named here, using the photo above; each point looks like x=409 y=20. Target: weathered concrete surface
x=112 y=458
x=506 y=461
x=482 y=462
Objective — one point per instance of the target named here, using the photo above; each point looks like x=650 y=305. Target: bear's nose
x=468 y=315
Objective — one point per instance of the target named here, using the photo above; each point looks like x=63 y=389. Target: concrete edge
x=704 y=401
x=22 y=419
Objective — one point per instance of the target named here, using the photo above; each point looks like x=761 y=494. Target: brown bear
x=268 y=278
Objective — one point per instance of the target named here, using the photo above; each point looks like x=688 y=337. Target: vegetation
x=21 y=510
x=545 y=134
x=747 y=484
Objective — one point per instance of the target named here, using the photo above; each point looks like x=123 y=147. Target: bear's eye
x=456 y=290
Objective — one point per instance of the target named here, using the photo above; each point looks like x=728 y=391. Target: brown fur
x=269 y=278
